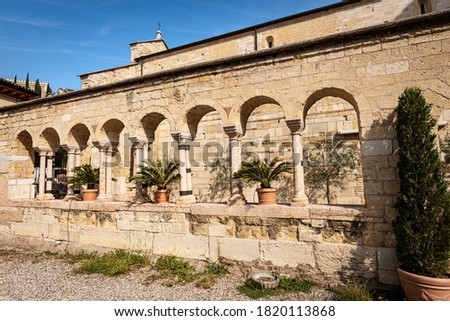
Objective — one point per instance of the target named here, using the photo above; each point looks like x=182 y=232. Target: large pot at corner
x=423 y=288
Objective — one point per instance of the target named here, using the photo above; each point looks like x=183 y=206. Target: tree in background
x=326 y=165
x=38 y=88
x=15 y=79
x=27 y=81
x=48 y=92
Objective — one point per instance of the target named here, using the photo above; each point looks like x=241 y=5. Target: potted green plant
x=422 y=226
x=159 y=174
x=89 y=176
x=263 y=172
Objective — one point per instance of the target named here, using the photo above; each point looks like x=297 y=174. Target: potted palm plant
x=159 y=174
x=263 y=172
x=422 y=226
x=89 y=176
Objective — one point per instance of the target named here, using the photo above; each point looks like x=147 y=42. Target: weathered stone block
x=30 y=229
x=239 y=249
x=105 y=237
x=346 y=259
x=187 y=246
x=287 y=253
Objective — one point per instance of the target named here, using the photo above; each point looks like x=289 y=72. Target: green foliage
x=262 y=171
x=113 y=263
x=422 y=227
x=158 y=173
x=254 y=290
x=173 y=270
x=85 y=175
x=48 y=92
x=352 y=292
x=27 y=81
x=296 y=285
x=327 y=165
x=38 y=88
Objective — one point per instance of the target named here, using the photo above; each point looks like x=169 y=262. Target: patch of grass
x=254 y=290
x=173 y=270
x=353 y=291
x=111 y=264
x=296 y=285
x=209 y=277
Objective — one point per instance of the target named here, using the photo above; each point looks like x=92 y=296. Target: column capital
x=70 y=148
x=183 y=138
x=105 y=144
x=141 y=140
x=297 y=126
x=233 y=132
x=42 y=150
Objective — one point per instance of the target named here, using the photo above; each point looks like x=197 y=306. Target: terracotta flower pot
x=162 y=195
x=267 y=196
x=423 y=288
x=89 y=194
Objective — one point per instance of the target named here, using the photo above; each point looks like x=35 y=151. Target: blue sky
x=57 y=40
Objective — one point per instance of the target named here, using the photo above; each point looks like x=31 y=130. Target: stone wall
x=327 y=243
x=282 y=32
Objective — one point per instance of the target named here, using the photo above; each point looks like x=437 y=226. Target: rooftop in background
x=11 y=93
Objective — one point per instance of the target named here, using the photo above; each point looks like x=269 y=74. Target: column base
x=236 y=200
x=301 y=201
x=237 y=193
x=72 y=197
x=186 y=199
x=45 y=197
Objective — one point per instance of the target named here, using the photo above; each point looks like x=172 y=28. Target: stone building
x=11 y=93
x=267 y=90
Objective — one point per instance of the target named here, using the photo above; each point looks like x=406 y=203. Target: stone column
x=297 y=126
x=236 y=190
x=147 y=144
x=138 y=144
x=71 y=154
x=78 y=155
x=49 y=180
x=105 y=169
x=42 y=195
x=108 y=176
x=186 y=196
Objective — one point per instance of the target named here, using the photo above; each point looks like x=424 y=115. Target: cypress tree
x=422 y=227
x=27 y=81
x=15 y=79
x=38 y=88
x=48 y=92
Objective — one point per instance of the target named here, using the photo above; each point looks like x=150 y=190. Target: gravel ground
x=31 y=276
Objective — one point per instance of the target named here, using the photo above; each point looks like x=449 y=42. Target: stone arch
x=49 y=137
x=22 y=166
x=333 y=92
x=78 y=134
x=332 y=115
x=150 y=123
x=250 y=105
x=208 y=149
x=195 y=115
x=111 y=130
